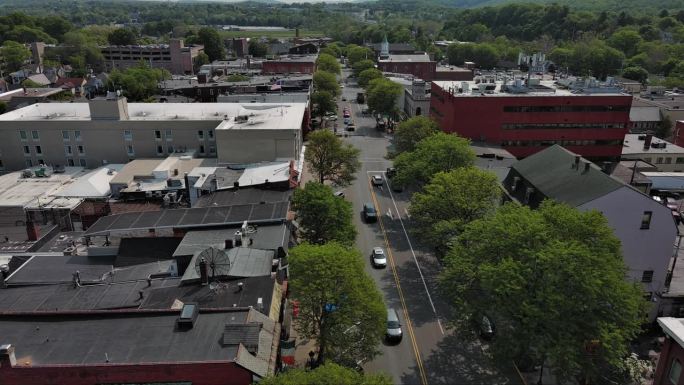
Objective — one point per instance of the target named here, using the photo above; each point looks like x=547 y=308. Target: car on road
x=391 y=172
x=339 y=194
x=351 y=127
x=376 y=180
x=378 y=258
x=485 y=327
x=347 y=120
x=369 y=212
x=393 y=332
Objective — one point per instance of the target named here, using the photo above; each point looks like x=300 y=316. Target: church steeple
x=384 y=49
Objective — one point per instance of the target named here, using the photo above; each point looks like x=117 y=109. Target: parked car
x=393 y=332
x=351 y=127
x=347 y=120
x=339 y=194
x=344 y=99
x=369 y=213
x=378 y=258
x=486 y=327
x=376 y=180
x=332 y=117
x=391 y=172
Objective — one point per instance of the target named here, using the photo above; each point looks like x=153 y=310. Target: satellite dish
x=218 y=262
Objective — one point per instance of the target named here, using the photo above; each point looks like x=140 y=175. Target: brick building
x=669 y=369
x=526 y=118
x=175 y=56
x=290 y=65
x=418 y=65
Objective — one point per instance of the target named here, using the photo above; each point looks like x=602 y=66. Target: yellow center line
x=409 y=324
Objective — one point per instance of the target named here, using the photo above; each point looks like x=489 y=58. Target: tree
x=28 y=83
x=553 y=282
x=329 y=158
x=438 y=152
x=328 y=63
x=200 y=60
x=14 y=55
x=340 y=305
x=257 y=48
x=138 y=83
x=325 y=81
x=212 y=42
x=323 y=216
x=367 y=75
x=626 y=40
x=323 y=103
x=452 y=200
x=122 y=36
x=382 y=95
x=233 y=78
x=362 y=65
x=356 y=54
x=635 y=73
x=326 y=374
x=412 y=131
x=3 y=107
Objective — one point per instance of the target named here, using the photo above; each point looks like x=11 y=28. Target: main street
x=430 y=353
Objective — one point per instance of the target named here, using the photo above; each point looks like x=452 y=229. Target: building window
x=81 y=150
x=41 y=162
x=2 y=165
x=34 y=135
x=659 y=160
x=200 y=134
x=169 y=135
x=70 y=162
x=211 y=134
x=29 y=163
x=39 y=150
x=129 y=150
x=82 y=162
x=679 y=160
x=22 y=135
x=668 y=160
x=67 y=150
x=170 y=149
x=646 y=220
x=201 y=149
x=77 y=135
x=212 y=150
x=27 y=150
x=128 y=135
x=675 y=372
x=647 y=276
x=157 y=134
x=65 y=135
x=160 y=150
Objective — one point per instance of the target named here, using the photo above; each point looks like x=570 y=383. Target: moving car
x=369 y=212
x=376 y=180
x=393 y=332
x=378 y=258
x=391 y=172
x=347 y=120
x=351 y=127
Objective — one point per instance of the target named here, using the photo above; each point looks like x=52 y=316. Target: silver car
x=378 y=257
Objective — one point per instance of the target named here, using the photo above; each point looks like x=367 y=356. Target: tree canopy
x=362 y=65
x=122 y=36
x=340 y=305
x=367 y=75
x=212 y=42
x=436 y=153
x=553 y=282
x=138 y=83
x=326 y=374
x=323 y=216
x=412 y=131
x=330 y=159
x=257 y=48
x=328 y=63
x=14 y=55
x=382 y=94
x=325 y=81
x=323 y=103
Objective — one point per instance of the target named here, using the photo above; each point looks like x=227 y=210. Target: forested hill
x=593 y=5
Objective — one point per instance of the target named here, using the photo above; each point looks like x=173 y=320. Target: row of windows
x=539 y=143
x=41 y=162
x=128 y=135
x=665 y=160
x=534 y=126
x=24 y=136
x=137 y=58
x=160 y=150
x=66 y=135
x=565 y=108
x=67 y=150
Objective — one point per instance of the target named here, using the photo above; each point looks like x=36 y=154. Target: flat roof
x=294 y=59
x=94 y=184
x=417 y=57
x=119 y=338
x=268 y=237
x=671 y=101
x=674 y=327
x=544 y=88
x=262 y=115
x=644 y=114
x=15 y=190
x=243 y=196
x=633 y=145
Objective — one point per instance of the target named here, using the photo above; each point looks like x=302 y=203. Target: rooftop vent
x=188 y=316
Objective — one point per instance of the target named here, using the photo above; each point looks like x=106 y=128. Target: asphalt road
x=430 y=353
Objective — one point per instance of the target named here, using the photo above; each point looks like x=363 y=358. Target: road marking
x=413 y=253
x=407 y=213
x=409 y=324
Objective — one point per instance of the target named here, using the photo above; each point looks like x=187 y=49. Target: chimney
x=587 y=166
x=647 y=141
x=229 y=244
x=606 y=167
x=204 y=275
x=7 y=357
x=32 y=230
x=577 y=161
x=238 y=238
x=4 y=273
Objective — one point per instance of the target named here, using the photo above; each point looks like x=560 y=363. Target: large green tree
x=325 y=81
x=212 y=42
x=138 y=83
x=257 y=48
x=553 y=282
x=122 y=36
x=450 y=201
x=328 y=63
x=635 y=73
x=326 y=374
x=323 y=103
x=367 y=75
x=412 y=131
x=356 y=53
x=436 y=153
x=330 y=159
x=340 y=305
x=13 y=55
x=323 y=216
x=382 y=95
x=362 y=65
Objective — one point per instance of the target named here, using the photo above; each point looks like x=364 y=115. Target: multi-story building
x=114 y=131
x=665 y=156
x=526 y=117
x=290 y=65
x=418 y=65
x=176 y=57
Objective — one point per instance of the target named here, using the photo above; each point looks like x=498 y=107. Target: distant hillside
x=611 y=5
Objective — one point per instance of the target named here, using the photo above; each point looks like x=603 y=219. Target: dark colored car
x=391 y=172
x=486 y=327
x=369 y=212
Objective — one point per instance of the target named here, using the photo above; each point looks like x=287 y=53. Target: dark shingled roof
x=242 y=197
x=134 y=251
x=246 y=334
x=551 y=172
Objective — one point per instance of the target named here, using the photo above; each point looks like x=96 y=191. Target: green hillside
x=611 y=5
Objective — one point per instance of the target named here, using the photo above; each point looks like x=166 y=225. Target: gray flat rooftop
x=633 y=145
x=129 y=337
x=544 y=88
x=416 y=58
x=243 y=196
x=265 y=237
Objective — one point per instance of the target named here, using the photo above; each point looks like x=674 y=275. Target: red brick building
x=290 y=65
x=525 y=119
x=669 y=369
x=418 y=65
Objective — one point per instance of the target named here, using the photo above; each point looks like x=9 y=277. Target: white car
x=378 y=257
x=376 y=180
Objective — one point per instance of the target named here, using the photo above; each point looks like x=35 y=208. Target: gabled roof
x=553 y=174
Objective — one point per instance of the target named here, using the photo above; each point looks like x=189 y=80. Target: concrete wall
x=249 y=146
x=642 y=249
x=666 y=162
